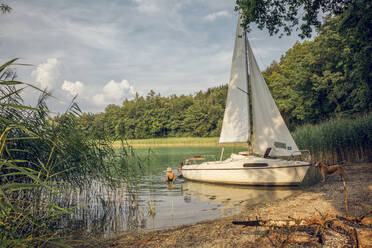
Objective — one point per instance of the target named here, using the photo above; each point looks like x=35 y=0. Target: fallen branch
x=358 y=219
x=280 y=223
x=346 y=205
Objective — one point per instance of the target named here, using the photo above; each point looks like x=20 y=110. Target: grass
x=176 y=141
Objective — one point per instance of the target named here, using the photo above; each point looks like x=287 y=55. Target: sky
x=105 y=51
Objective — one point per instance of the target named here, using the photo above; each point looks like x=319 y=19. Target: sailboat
x=252 y=116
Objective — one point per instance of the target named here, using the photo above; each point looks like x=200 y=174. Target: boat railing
x=304 y=155
x=198 y=159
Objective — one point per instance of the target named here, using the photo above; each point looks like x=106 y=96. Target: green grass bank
x=177 y=141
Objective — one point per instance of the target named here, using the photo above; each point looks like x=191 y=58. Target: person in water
x=170 y=177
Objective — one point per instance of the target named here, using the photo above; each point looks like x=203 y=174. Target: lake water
x=152 y=204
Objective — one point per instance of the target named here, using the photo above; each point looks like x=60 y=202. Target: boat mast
x=249 y=95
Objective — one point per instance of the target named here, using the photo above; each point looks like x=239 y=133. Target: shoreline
x=321 y=202
x=177 y=141
x=182 y=144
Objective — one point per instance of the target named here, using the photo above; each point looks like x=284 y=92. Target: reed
x=338 y=139
x=38 y=155
x=26 y=218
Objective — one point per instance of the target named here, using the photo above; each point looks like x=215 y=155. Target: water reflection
x=105 y=212
x=230 y=198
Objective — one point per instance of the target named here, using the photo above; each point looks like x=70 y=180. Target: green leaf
x=11 y=187
x=23 y=138
x=18 y=106
x=12 y=93
x=2 y=82
x=10 y=62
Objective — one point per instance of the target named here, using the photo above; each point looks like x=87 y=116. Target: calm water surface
x=152 y=204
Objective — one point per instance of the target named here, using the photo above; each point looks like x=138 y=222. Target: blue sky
x=105 y=51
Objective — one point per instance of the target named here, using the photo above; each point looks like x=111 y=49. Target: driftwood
x=289 y=222
x=309 y=230
x=280 y=223
x=357 y=219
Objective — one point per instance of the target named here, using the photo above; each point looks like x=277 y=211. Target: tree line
x=158 y=116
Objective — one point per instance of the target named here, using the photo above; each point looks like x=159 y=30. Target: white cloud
x=47 y=74
x=74 y=88
x=114 y=92
x=173 y=47
x=147 y=6
x=213 y=16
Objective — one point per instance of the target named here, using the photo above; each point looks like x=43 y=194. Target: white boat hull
x=248 y=170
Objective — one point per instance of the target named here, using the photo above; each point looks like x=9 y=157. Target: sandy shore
x=319 y=211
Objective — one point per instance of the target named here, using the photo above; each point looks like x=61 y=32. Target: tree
x=336 y=69
x=317 y=80
x=355 y=25
x=4 y=8
x=283 y=16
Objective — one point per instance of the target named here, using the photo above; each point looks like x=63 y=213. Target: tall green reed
x=25 y=218
x=39 y=156
x=338 y=139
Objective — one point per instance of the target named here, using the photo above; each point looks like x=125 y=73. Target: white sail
x=235 y=126
x=269 y=131
x=269 y=128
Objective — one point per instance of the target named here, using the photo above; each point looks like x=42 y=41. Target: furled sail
x=235 y=126
x=269 y=128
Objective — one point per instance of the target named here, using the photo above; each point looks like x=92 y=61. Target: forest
x=314 y=81
x=156 y=116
